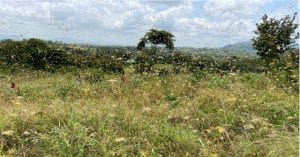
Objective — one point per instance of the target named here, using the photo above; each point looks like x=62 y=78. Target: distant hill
x=242 y=46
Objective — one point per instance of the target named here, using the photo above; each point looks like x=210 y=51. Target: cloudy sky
x=206 y=23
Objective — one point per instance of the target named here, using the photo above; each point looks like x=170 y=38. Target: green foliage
x=37 y=50
x=145 y=60
x=156 y=37
x=199 y=63
x=275 y=43
x=42 y=55
x=142 y=44
x=149 y=116
x=180 y=60
x=12 y=52
x=57 y=57
x=275 y=37
x=71 y=139
x=197 y=113
x=111 y=66
x=34 y=53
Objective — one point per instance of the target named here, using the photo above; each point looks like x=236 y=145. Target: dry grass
x=240 y=115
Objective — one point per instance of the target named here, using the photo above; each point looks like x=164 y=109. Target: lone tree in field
x=148 y=57
x=275 y=37
x=156 y=37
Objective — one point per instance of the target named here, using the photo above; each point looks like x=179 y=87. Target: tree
x=155 y=37
x=275 y=37
x=11 y=52
x=38 y=51
x=149 y=57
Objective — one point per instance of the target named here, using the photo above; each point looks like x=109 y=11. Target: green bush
x=34 y=53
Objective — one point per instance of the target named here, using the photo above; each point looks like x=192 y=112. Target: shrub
x=145 y=60
x=34 y=53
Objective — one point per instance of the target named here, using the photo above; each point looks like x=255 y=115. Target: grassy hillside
x=53 y=114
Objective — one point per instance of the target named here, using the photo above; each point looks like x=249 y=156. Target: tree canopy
x=275 y=37
x=33 y=52
x=155 y=37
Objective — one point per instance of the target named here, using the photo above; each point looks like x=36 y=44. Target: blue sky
x=209 y=23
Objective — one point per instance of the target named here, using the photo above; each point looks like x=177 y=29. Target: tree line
x=274 y=41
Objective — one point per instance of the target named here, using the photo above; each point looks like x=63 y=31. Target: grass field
x=178 y=115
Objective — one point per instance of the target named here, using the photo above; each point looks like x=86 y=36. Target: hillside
x=241 y=46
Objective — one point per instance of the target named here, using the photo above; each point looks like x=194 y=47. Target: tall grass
x=52 y=114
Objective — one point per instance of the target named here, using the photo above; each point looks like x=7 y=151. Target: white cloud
x=233 y=9
x=215 y=23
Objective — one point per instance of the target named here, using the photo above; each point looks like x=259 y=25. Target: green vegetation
x=275 y=37
x=156 y=37
x=83 y=100
x=52 y=114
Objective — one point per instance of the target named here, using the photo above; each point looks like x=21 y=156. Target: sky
x=197 y=23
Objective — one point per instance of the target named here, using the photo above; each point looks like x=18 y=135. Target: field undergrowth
x=53 y=114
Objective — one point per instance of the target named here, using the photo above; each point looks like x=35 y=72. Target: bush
x=145 y=60
x=199 y=63
x=34 y=53
x=111 y=66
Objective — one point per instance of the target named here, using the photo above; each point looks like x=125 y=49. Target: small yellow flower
x=85 y=90
x=213 y=155
x=11 y=151
x=232 y=99
x=208 y=131
x=144 y=154
x=219 y=129
x=17 y=102
x=289 y=64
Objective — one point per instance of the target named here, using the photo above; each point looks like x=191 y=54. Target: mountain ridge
x=240 y=46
